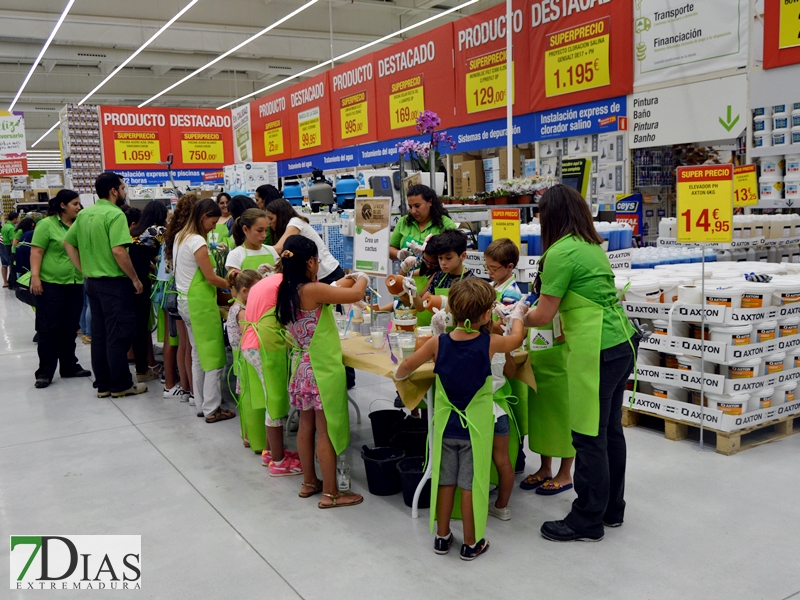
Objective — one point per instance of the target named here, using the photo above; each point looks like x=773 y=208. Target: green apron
x=206 y=323
x=505 y=399
x=253 y=262
x=479 y=419
x=423 y=316
x=219 y=235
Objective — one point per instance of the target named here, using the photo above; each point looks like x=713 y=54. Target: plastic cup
x=394 y=344
x=377 y=335
x=408 y=344
x=341 y=324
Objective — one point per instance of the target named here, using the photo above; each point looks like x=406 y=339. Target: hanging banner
x=354 y=104
x=412 y=76
x=310 y=116
x=580 y=51
x=745 y=186
x=480 y=63
x=242 y=140
x=13 y=154
x=371 y=243
x=692 y=38
x=601 y=116
x=201 y=138
x=134 y=138
x=269 y=127
x=781 y=33
x=705 y=204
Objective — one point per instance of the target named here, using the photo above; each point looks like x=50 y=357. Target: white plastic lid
x=777 y=357
x=733 y=329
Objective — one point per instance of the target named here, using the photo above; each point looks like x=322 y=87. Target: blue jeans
x=86 y=315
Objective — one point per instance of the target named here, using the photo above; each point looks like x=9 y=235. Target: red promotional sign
x=353 y=103
x=134 y=138
x=781 y=33
x=269 y=126
x=480 y=63
x=200 y=138
x=14 y=167
x=580 y=51
x=310 y=116
x=412 y=76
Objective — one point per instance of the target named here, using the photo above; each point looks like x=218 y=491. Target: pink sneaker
x=266 y=456
x=288 y=466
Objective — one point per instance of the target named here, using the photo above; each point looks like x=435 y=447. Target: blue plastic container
x=614 y=240
x=484 y=239
x=293 y=193
x=626 y=238
x=346 y=191
x=534 y=244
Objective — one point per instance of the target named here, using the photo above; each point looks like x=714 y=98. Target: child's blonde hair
x=470 y=298
x=238 y=280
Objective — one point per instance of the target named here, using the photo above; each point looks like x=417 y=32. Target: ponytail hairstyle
x=247 y=219
x=284 y=212
x=54 y=207
x=179 y=219
x=239 y=280
x=297 y=251
x=202 y=209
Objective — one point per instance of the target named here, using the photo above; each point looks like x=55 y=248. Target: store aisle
x=214 y=525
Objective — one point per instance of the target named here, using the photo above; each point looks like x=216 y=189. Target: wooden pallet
x=728 y=442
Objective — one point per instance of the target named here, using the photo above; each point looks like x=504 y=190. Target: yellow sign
x=202 y=148
x=354 y=115
x=505 y=224
x=486 y=82
x=309 y=128
x=577 y=59
x=705 y=204
x=789 y=27
x=136 y=147
x=273 y=138
x=745 y=186
x=406 y=102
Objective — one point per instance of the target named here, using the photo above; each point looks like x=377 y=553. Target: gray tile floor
x=214 y=525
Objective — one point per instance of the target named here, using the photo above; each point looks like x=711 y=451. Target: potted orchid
x=425 y=155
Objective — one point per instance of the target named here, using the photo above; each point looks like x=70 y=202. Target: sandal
x=531 y=482
x=317 y=487
x=551 y=488
x=335 y=497
x=220 y=414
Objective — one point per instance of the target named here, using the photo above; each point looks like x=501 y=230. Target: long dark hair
x=154 y=213
x=26 y=225
x=297 y=251
x=62 y=197
x=179 y=219
x=247 y=219
x=238 y=204
x=437 y=208
x=284 y=212
x=563 y=211
x=207 y=207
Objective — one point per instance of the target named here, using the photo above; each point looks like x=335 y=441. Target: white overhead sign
x=696 y=112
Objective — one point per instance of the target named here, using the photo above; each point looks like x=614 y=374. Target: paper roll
x=690 y=294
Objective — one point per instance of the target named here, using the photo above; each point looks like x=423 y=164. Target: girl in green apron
x=575 y=279
x=220 y=235
x=463 y=421
x=318 y=386
x=252 y=253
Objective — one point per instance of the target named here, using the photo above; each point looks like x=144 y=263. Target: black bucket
x=412 y=443
x=383 y=479
x=383 y=425
x=411 y=470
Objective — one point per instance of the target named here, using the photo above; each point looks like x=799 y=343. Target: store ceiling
x=98 y=35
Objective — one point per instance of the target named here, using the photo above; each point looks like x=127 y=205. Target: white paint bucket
x=795 y=135
x=780 y=122
x=792 y=359
x=756 y=295
x=691 y=363
x=792 y=162
x=729 y=405
x=795 y=118
x=648 y=357
x=679 y=328
x=773 y=363
x=761 y=399
x=791 y=186
x=690 y=294
x=762 y=139
x=762 y=111
x=781 y=137
x=669 y=392
x=787 y=290
x=725 y=295
x=772 y=165
x=780 y=110
x=746 y=369
x=784 y=393
x=765 y=331
x=669 y=288
x=788 y=327
x=762 y=123
x=644 y=291
x=770 y=188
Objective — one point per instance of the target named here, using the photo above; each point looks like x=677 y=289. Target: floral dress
x=303 y=390
x=235 y=333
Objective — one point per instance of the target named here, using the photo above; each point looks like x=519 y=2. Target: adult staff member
x=7 y=233
x=97 y=244
x=575 y=279
x=426 y=216
x=265 y=194
x=58 y=287
x=221 y=232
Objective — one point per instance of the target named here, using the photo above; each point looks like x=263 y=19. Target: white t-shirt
x=185 y=264
x=327 y=263
x=237 y=255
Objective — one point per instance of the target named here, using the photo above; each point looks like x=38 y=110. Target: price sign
x=273 y=138
x=745 y=186
x=309 y=128
x=705 y=204
x=202 y=148
x=353 y=115
x=577 y=59
x=136 y=147
x=406 y=102
x=789 y=29
x=486 y=82
x=505 y=224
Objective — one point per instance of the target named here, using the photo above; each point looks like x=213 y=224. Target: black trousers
x=113 y=330
x=600 y=461
x=58 y=313
x=142 y=307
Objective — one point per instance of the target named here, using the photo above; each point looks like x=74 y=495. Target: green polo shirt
x=8 y=233
x=578 y=266
x=404 y=233
x=97 y=230
x=49 y=235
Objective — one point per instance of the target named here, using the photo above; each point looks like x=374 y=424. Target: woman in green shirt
x=426 y=216
x=576 y=281
x=58 y=287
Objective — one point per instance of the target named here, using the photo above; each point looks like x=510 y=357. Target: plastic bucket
x=784 y=393
x=644 y=291
x=669 y=392
x=411 y=471
x=773 y=363
x=384 y=423
x=381 y=466
x=761 y=399
x=737 y=335
x=690 y=363
x=730 y=296
x=411 y=442
x=729 y=405
x=756 y=295
x=788 y=327
x=745 y=369
x=679 y=328
x=765 y=331
x=787 y=290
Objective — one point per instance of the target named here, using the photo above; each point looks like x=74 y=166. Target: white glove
x=396 y=378
x=356 y=275
x=409 y=287
x=519 y=312
x=501 y=311
x=416 y=248
x=439 y=322
x=408 y=265
x=266 y=269
x=360 y=304
x=403 y=253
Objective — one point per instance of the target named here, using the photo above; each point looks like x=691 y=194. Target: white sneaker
x=191 y=399
x=504 y=514
x=173 y=392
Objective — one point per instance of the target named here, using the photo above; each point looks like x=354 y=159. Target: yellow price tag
x=136 y=147
x=486 y=82
x=273 y=138
x=309 y=128
x=705 y=204
x=202 y=148
x=577 y=59
x=745 y=186
x=406 y=102
x=505 y=224
x=354 y=115
x=789 y=26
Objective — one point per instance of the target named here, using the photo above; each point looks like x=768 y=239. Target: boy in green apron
x=463 y=422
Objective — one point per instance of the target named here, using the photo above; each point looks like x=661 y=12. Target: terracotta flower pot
x=394 y=283
x=491 y=201
x=501 y=200
x=526 y=199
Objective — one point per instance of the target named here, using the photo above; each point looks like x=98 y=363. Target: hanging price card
x=136 y=147
x=353 y=115
x=505 y=224
x=577 y=58
x=202 y=148
x=705 y=204
x=406 y=102
x=310 y=132
x=273 y=138
x=486 y=82
x=789 y=29
x=745 y=186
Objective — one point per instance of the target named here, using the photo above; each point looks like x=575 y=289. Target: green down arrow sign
x=728 y=125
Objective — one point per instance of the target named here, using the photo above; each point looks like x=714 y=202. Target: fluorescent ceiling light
x=41 y=54
x=45 y=134
x=142 y=47
x=232 y=50
x=346 y=54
